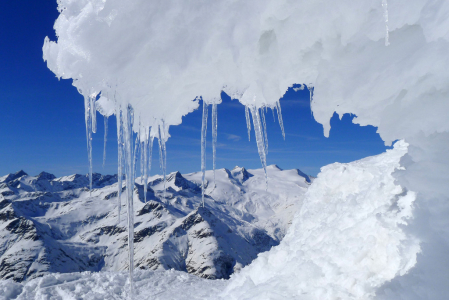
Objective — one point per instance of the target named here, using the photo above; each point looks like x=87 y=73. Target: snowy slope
x=50 y=224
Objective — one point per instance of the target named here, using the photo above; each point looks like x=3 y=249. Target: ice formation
x=105 y=139
x=214 y=136
x=203 y=148
x=254 y=50
x=248 y=122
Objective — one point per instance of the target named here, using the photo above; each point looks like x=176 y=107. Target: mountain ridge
x=50 y=224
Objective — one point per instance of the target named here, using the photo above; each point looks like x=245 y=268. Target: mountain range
x=50 y=224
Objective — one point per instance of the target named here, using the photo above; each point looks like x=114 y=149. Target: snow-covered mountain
x=50 y=224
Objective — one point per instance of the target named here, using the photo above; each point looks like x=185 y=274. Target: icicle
x=214 y=135
x=162 y=154
x=385 y=6
x=281 y=123
x=262 y=114
x=120 y=160
x=151 y=153
x=105 y=139
x=142 y=153
x=310 y=88
x=88 y=120
x=145 y=163
x=203 y=148
x=274 y=118
x=248 y=122
x=93 y=113
x=136 y=151
x=128 y=150
x=260 y=141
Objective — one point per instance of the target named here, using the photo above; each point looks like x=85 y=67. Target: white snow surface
x=154 y=285
x=345 y=242
x=160 y=55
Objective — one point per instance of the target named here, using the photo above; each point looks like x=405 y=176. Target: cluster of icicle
x=260 y=129
x=128 y=156
x=132 y=149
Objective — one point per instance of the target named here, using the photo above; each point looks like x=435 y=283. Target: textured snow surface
x=113 y=285
x=345 y=242
x=160 y=55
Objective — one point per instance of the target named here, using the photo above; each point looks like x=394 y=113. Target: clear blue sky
x=42 y=119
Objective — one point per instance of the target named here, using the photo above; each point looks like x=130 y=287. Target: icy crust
x=160 y=55
x=113 y=285
x=345 y=242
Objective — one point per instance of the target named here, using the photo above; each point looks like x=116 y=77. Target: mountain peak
x=46 y=176
x=274 y=167
x=241 y=174
x=301 y=173
x=14 y=176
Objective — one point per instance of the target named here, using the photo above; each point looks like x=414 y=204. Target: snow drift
x=158 y=56
x=345 y=242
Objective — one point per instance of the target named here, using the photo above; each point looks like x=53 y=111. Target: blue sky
x=42 y=119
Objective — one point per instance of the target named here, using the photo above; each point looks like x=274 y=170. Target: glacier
x=384 y=62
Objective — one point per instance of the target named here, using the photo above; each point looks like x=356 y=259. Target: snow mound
x=159 y=56
x=345 y=242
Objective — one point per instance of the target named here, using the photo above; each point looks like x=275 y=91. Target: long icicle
x=385 y=6
x=105 y=139
x=145 y=164
x=136 y=151
x=203 y=148
x=281 y=123
x=88 y=120
x=151 y=152
x=163 y=154
x=120 y=160
x=310 y=88
x=128 y=138
x=274 y=118
x=248 y=122
x=260 y=141
x=262 y=114
x=93 y=113
x=142 y=150
x=142 y=162
x=214 y=136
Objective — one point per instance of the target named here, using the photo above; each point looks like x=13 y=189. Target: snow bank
x=346 y=241
x=160 y=55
